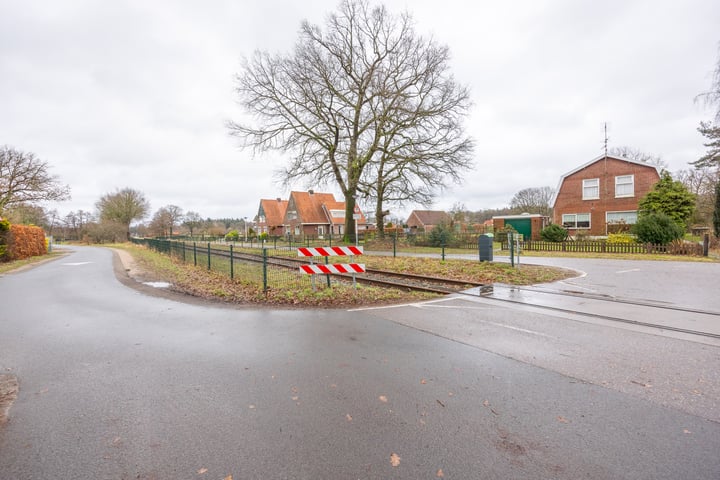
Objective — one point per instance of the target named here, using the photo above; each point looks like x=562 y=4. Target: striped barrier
x=329 y=251
x=333 y=268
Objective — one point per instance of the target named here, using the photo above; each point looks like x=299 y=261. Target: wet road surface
x=120 y=385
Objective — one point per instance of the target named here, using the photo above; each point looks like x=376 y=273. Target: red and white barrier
x=333 y=268
x=329 y=251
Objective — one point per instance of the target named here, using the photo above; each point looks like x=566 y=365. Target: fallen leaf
x=202 y=470
x=394 y=459
x=450 y=394
x=686 y=431
x=562 y=419
x=295 y=398
x=423 y=381
x=348 y=417
x=383 y=398
x=251 y=407
x=229 y=477
x=486 y=403
x=440 y=474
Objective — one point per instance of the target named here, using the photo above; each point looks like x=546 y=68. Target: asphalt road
x=116 y=384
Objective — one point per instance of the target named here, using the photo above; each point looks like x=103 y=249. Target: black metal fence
x=258 y=265
x=601 y=246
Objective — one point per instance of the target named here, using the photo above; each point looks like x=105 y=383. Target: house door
x=521 y=225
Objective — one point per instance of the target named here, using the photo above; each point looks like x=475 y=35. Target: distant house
x=271 y=216
x=426 y=220
x=316 y=214
x=600 y=196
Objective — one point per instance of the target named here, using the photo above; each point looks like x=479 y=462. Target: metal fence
x=257 y=266
x=675 y=248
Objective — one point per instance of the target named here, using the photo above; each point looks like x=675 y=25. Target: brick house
x=315 y=214
x=271 y=216
x=426 y=220
x=600 y=196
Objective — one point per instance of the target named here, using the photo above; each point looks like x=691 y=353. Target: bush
x=620 y=238
x=440 y=236
x=657 y=228
x=232 y=236
x=553 y=233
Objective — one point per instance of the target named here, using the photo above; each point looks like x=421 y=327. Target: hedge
x=24 y=241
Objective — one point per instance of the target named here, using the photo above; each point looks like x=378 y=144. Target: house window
x=591 y=189
x=629 y=218
x=321 y=230
x=337 y=213
x=576 y=220
x=625 y=186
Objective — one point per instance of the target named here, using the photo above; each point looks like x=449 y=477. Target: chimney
x=311 y=192
x=278 y=199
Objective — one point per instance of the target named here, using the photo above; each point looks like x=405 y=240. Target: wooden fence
x=675 y=248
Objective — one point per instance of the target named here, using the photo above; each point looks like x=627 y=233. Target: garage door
x=521 y=225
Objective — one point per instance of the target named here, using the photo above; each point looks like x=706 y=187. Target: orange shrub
x=26 y=241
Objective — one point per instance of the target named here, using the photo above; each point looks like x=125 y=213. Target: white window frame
x=321 y=230
x=588 y=185
x=574 y=223
x=632 y=221
x=621 y=183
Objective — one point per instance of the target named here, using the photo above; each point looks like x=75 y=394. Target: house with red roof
x=316 y=214
x=271 y=216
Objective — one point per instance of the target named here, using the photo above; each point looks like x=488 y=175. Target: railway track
x=635 y=311
x=673 y=318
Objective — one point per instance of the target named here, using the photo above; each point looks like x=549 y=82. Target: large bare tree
x=24 y=179
x=123 y=207
x=360 y=101
x=533 y=200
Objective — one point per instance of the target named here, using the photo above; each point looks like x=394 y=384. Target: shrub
x=657 y=228
x=232 y=236
x=620 y=238
x=441 y=235
x=553 y=233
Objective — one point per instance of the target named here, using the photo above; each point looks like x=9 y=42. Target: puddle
x=158 y=284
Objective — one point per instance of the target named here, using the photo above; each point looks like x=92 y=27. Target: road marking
x=76 y=264
x=628 y=271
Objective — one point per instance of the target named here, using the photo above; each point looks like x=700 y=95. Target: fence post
x=706 y=244
x=395 y=244
x=327 y=261
x=265 y=277
x=442 y=246
x=511 y=244
x=195 y=254
x=232 y=267
x=208 y=253
x=183 y=249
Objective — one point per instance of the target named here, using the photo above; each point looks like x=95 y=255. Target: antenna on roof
x=606 y=140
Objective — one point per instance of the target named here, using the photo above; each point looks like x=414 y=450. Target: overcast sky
x=137 y=93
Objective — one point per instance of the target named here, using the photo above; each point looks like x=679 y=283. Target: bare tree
x=193 y=220
x=354 y=100
x=123 y=207
x=711 y=97
x=701 y=182
x=175 y=214
x=24 y=179
x=533 y=200
x=639 y=156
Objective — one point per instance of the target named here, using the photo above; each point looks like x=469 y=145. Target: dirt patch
x=8 y=393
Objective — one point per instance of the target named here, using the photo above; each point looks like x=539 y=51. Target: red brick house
x=271 y=216
x=316 y=214
x=599 y=196
x=426 y=220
